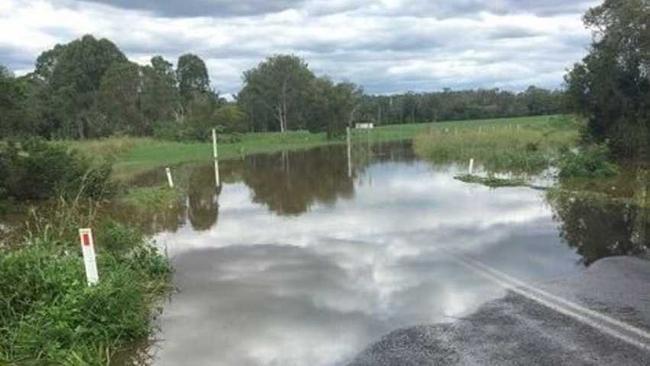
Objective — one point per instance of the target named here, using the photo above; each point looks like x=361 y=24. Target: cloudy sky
x=386 y=46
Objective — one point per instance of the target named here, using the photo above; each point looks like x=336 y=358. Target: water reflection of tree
x=599 y=227
x=203 y=205
x=290 y=183
x=149 y=221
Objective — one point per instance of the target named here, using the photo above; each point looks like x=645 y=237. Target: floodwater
x=293 y=261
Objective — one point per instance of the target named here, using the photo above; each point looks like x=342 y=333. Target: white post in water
x=88 y=251
x=349 y=152
x=214 y=143
x=215 y=154
x=471 y=166
x=169 y=177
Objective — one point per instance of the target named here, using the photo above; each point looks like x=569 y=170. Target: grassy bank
x=48 y=314
x=135 y=155
x=526 y=145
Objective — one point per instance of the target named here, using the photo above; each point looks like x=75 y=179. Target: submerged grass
x=48 y=314
x=152 y=198
x=525 y=146
x=491 y=181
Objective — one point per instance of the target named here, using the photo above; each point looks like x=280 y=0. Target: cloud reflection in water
x=315 y=288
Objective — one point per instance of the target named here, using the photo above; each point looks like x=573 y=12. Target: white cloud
x=386 y=46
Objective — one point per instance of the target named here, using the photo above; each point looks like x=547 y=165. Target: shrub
x=587 y=162
x=35 y=169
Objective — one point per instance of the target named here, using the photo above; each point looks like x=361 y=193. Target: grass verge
x=48 y=314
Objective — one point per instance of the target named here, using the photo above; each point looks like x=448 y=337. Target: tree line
x=88 y=88
x=449 y=105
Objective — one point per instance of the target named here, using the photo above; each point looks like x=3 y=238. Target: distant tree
x=192 y=76
x=456 y=105
x=231 y=119
x=119 y=101
x=72 y=74
x=276 y=90
x=11 y=103
x=201 y=117
x=611 y=86
x=160 y=99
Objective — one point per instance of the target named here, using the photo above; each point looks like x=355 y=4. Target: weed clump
x=588 y=162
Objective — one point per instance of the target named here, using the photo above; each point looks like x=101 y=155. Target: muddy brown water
x=293 y=261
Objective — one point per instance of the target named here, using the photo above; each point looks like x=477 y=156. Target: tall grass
x=520 y=148
x=111 y=147
x=48 y=314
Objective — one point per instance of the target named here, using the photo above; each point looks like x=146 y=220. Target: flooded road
x=294 y=262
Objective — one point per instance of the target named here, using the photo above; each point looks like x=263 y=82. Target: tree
x=276 y=90
x=73 y=74
x=231 y=119
x=160 y=99
x=11 y=103
x=611 y=86
x=119 y=101
x=192 y=76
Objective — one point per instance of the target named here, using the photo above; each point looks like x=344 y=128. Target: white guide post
x=215 y=155
x=169 y=177
x=471 y=166
x=214 y=144
x=88 y=251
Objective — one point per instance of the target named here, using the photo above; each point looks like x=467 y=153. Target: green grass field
x=526 y=145
x=135 y=155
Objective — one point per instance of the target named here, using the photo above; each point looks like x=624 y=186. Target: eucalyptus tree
x=160 y=100
x=611 y=85
x=192 y=76
x=119 y=101
x=11 y=102
x=276 y=91
x=72 y=73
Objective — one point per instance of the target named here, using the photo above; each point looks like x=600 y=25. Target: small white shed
x=365 y=126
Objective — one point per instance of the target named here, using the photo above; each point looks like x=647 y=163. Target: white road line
x=599 y=321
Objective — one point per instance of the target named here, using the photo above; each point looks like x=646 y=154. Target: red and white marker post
x=88 y=250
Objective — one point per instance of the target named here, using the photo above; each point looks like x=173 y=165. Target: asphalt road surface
x=600 y=317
